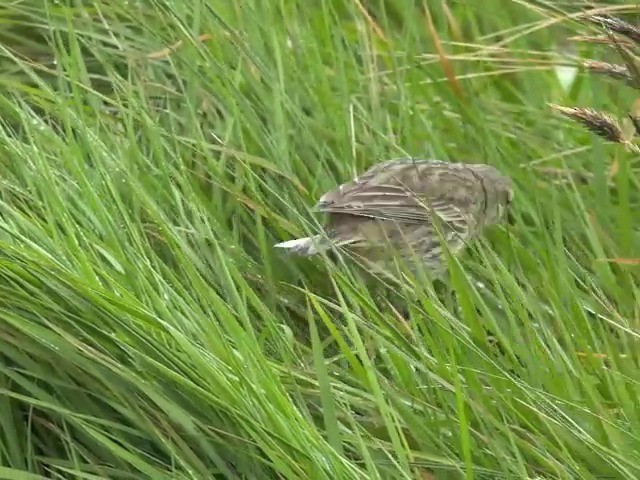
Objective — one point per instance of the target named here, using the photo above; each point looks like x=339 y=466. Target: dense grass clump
x=152 y=153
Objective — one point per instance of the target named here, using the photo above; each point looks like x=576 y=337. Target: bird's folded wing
x=401 y=208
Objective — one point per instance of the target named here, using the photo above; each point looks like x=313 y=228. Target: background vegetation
x=153 y=151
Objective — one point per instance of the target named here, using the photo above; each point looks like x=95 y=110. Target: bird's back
x=406 y=207
x=408 y=191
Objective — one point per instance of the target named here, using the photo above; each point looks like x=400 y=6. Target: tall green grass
x=152 y=153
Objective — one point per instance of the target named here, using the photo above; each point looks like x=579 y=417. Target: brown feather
x=404 y=203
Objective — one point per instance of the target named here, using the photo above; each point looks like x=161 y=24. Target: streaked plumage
x=395 y=208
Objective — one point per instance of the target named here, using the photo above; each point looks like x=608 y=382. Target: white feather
x=303 y=246
x=293 y=243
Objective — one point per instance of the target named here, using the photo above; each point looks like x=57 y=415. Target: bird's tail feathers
x=313 y=245
x=306 y=246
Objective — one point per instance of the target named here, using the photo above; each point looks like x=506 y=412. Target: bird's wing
x=405 y=192
x=412 y=212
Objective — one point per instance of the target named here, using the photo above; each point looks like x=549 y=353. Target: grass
x=153 y=152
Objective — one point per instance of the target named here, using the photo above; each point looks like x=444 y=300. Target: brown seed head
x=601 y=124
x=617 y=25
x=611 y=70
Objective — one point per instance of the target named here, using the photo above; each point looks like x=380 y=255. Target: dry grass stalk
x=623 y=261
x=599 y=355
x=601 y=39
x=618 y=26
x=611 y=70
x=601 y=124
x=629 y=58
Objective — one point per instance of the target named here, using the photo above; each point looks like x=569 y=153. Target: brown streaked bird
x=396 y=207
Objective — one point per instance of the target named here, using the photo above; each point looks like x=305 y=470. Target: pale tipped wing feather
x=402 y=191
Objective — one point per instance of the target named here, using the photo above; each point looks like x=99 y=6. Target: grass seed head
x=617 y=25
x=611 y=70
x=599 y=123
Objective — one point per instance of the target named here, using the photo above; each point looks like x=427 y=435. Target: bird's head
x=498 y=193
